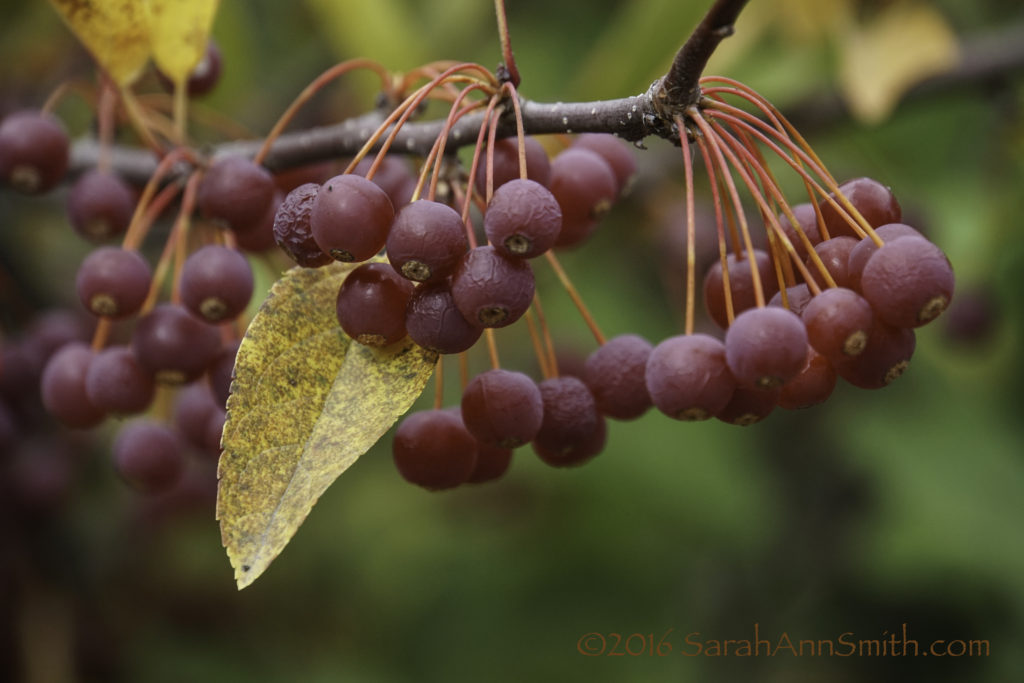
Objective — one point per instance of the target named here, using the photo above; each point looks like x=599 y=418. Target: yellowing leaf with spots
x=305 y=403
x=180 y=30
x=116 y=32
x=905 y=43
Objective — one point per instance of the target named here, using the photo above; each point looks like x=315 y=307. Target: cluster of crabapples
x=864 y=281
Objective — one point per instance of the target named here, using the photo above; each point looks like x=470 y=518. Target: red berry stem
x=691 y=232
x=538 y=347
x=142 y=219
x=513 y=95
x=716 y=198
x=577 y=300
x=312 y=89
x=506 y=43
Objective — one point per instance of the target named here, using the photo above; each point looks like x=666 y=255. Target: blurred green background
x=878 y=509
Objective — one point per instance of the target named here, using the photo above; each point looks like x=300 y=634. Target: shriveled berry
x=434 y=322
x=908 y=282
x=100 y=205
x=433 y=449
x=371 y=304
x=235 y=192
x=216 y=283
x=491 y=289
x=614 y=372
x=571 y=420
x=351 y=217
x=766 y=347
x=502 y=408
x=147 y=455
x=34 y=151
x=113 y=282
x=585 y=187
x=292 y=231
x=688 y=378
x=523 y=219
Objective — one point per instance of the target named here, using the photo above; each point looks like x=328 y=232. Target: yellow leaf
x=305 y=403
x=179 y=34
x=904 y=44
x=116 y=32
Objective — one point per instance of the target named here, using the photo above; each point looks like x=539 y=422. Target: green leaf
x=305 y=403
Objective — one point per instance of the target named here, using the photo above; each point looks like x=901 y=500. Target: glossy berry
x=434 y=322
x=807 y=220
x=116 y=383
x=148 y=456
x=292 y=231
x=614 y=372
x=34 y=151
x=766 y=347
x=433 y=449
x=393 y=176
x=834 y=255
x=908 y=282
x=63 y=387
x=216 y=283
x=865 y=249
x=502 y=408
x=838 y=323
x=371 y=304
x=883 y=360
x=173 y=345
x=813 y=385
x=100 y=205
x=585 y=187
x=426 y=241
x=571 y=423
x=688 y=378
x=113 y=282
x=491 y=463
x=523 y=219
x=615 y=152
x=748 y=406
x=797 y=298
x=192 y=410
x=506 y=164
x=351 y=217
x=875 y=202
x=741 y=285
x=235 y=192
x=491 y=289
x=261 y=238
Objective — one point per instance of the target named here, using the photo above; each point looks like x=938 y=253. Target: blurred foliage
x=878 y=509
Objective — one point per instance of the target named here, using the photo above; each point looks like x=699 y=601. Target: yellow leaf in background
x=116 y=32
x=904 y=44
x=305 y=403
x=180 y=30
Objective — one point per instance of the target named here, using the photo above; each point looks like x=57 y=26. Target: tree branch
x=631 y=118
x=679 y=88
